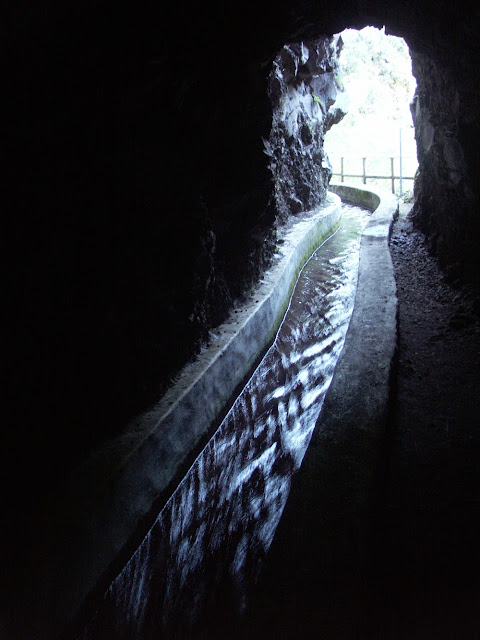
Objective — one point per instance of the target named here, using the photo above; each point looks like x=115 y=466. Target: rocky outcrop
x=307 y=99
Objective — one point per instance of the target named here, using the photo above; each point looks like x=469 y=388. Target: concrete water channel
x=193 y=573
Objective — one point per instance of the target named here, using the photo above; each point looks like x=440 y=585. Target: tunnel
x=140 y=206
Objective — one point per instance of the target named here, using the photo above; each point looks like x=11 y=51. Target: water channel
x=197 y=564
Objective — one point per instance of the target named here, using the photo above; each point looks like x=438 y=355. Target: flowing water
x=197 y=564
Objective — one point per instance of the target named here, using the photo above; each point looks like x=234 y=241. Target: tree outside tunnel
x=376 y=70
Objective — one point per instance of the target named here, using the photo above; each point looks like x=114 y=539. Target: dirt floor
x=428 y=564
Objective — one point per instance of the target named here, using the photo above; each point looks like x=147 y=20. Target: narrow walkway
x=406 y=563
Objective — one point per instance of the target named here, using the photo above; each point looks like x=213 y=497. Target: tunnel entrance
x=341 y=106
x=376 y=136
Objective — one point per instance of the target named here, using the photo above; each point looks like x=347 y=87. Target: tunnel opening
x=376 y=136
x=341 y=109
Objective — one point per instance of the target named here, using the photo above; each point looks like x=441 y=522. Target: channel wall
x=122 y=487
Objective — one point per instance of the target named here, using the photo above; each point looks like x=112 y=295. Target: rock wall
x=135 y=215
x=306 y=93
x=445 y=112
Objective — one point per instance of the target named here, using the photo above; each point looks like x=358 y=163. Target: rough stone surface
x=444 y=110
x=306 y=100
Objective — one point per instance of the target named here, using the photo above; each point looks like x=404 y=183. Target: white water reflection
x=194 y=569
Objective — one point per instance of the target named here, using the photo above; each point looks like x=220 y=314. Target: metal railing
x=392 y=176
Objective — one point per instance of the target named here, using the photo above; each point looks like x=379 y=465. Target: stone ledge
x=359 y=394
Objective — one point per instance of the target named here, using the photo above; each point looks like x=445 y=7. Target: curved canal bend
x=196 y=566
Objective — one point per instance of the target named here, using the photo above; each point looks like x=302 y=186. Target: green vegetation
x=318 y=100
x=376 y=71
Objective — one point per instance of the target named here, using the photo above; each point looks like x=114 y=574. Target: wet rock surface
x=304 y=88
x=446 y=190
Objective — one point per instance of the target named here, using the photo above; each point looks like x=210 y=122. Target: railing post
x=364 y=175
x=400 y=166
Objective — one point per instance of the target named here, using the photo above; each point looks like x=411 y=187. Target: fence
x=392 y=176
